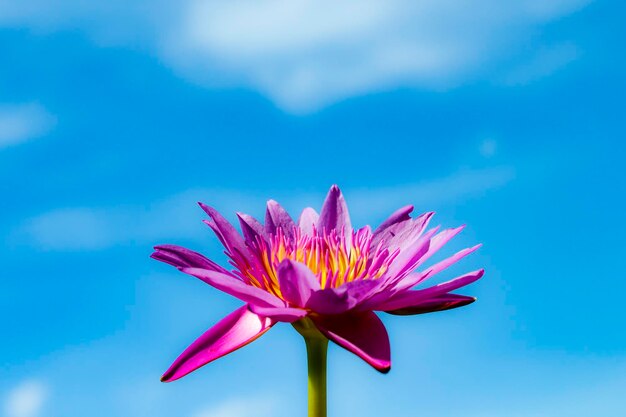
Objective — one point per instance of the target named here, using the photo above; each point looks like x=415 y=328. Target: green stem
x=316 y=354
x=316 y=348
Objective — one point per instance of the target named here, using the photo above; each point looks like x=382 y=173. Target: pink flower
x=322 y=269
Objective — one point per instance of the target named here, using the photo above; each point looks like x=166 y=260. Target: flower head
x=321 y=270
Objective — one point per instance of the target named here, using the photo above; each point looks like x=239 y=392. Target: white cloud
x=83 y=228
x=20 y=123
x=74 y=228
x=26 y=400
x=305 y=54
x=428 y=194
x=240 y=407
x=543 y=63
x=311 y=53
x=178 y=216
x=88 y=228
x=488 y=147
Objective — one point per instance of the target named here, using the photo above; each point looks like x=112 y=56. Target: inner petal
x=334 y=257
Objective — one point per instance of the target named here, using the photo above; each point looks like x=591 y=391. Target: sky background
x=116 y=117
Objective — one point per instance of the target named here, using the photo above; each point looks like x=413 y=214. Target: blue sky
x=116 y=118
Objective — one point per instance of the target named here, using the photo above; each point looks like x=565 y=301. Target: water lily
x=324 y=277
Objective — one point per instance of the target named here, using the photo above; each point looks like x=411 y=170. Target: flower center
x=334 y=258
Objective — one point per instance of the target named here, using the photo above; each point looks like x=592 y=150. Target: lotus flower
x=321 y=275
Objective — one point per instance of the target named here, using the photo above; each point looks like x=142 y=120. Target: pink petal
x=250 y=227
x=277 y=217
x=234 y=331
x=439 y=303
x=411 y=298
x=235 y=287
x=410 y=256
x=439 y=240
x=409 y=281
x=402 y=235
x=297 y=282
x=286 y=314
x=307 y=221
x=341 y=299
x=399 y=216
x=412 y=280
x=334 y=214
x=228 y=235
x=362 y=334
x=330 y=301
x=440 y=266
x=182 y=258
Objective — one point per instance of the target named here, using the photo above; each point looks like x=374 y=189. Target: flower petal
x=439 y=303
x=362 y=334
x=440 y=266
x=250 y=227
x=402 y=235
x=330 y=301
x=410 y=257
x=226 y=232
x=297 y=282
x=343 y=298
x=411 y=298
x=398 y=216
x=235 y=287
x=307 y=221
x=412 y=280
x=334 y=214
x=277 y=217
x=439 y=240
x=182 y=258
x=239 y=328
x=285 y=314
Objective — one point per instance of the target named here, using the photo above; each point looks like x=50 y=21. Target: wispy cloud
x=543 y=63
x=312 y=53
x=89 y=228
x=306 y=54
x=23 y=122
x=240 y=407
x=177 y=217
x=26 y=400
x=428 y=194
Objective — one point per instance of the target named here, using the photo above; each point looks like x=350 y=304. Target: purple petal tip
x=207 y=209
x=385 y=369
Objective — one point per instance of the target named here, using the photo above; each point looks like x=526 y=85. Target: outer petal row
x=408 y=299
x=237 y=329
x=362 y=334
x=226 y=232
x=182 y=258
x=235 y=287
x=194 y=264
x=413 y=279
x=439 y=303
